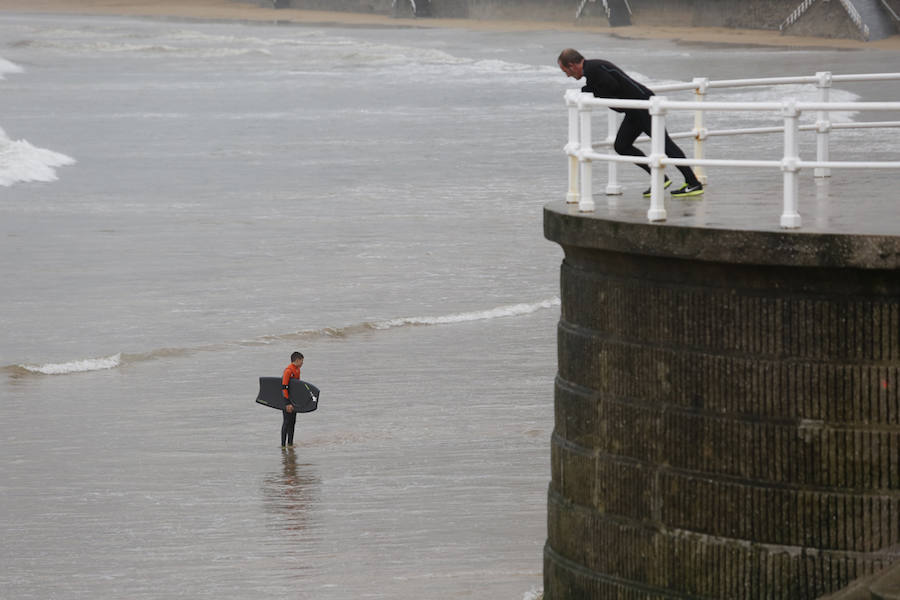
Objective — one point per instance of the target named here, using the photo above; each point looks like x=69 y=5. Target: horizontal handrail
x=645 y=160
x=770 y=81
x=693 y=134
x=581 y=148
x=713 y=162
x=588 y=100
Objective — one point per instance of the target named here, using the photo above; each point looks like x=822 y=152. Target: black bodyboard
x=304 y=395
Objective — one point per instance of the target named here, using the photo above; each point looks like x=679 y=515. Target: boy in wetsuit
x=605 y=80
x=289 y=416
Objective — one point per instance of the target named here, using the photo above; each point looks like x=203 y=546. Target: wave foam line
x=76 y=366
x=511 y=310
x=116 y=360
x=22 y=162
x=9 y=67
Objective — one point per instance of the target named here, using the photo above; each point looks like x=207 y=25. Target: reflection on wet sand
x=291 y=493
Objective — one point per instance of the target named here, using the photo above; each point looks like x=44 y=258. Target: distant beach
x=243 y=11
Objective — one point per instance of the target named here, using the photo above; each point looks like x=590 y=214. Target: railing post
x=657 y=211
x=823 y=123
x=790 y=218
x=613 y=188
x=572 y=146
x=701 y=85
x=586 y=201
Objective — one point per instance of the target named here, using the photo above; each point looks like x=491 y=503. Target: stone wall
x=826 y=18
x=752 y=14
x=360 y=6
x=727 y=412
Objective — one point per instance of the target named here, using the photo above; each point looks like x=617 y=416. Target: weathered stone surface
x=727 y=411
x=825 y=19
x=887 y=585
x=883 y=585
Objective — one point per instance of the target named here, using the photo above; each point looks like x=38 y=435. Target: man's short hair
x=570 y=56
x=295 y=356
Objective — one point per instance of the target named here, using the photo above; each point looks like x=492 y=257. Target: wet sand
x=243 y=11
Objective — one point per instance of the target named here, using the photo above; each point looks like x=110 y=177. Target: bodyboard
x=304 y=395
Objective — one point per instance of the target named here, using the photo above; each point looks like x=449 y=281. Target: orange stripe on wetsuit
x=291 y=372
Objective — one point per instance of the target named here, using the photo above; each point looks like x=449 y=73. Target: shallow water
x=371 y=197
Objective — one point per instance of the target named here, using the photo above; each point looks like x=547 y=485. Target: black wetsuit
x=287 y=427
x=606 y=80
x=289 y=420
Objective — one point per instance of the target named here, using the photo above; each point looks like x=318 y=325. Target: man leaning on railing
x=606 y=80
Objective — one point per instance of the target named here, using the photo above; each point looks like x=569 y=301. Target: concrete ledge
x=564 y=224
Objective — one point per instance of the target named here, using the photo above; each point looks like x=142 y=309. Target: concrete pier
x=727 y=410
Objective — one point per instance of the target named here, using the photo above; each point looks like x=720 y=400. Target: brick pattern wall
x=722 y=430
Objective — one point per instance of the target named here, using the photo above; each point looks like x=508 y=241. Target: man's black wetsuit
x=606 y=80
x=288 y=422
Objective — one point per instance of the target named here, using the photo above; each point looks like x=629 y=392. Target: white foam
x=774 y=93
x=9 y=67
x=533 y=594
x=22 y=162
x=510 y=310
x=76 y=366
x=798 y=92
x=106 y=47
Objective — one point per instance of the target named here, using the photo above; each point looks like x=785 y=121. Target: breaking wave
x=76 y=366
x=105 y=47
x=9 y=67
x=117 y=360
x=22 y=162
x=533 y=594
x=512 y=310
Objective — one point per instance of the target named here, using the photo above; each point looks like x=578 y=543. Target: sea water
x=183 y=204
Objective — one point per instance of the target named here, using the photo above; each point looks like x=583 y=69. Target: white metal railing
x=412 y=5
x=856 y=18
x=580 y=10
x=848 y=7
x=890 y=10
x=581 y=147
x=581 y=5
x=798 y=12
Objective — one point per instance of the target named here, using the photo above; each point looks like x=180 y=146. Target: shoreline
x=233 y=10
